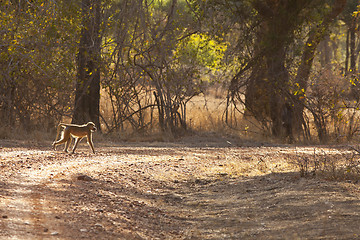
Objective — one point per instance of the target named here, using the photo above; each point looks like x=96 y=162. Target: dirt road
x=182 y=190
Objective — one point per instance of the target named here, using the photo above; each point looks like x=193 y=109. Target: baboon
x=77 y=132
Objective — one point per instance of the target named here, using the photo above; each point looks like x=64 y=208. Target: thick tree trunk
x=268 y=92
x=87 y=94
x=268 y=88
x=256 y=96
x=279 y=79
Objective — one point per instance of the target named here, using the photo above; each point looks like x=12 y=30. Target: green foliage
x=172 y=48
x=36 y=60
x=201 y=50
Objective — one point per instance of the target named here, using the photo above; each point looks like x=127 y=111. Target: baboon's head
x=91 y=126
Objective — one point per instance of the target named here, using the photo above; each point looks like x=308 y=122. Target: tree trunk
x=325 y=51
x=87 y=94
x=279 y=79
x=316 y=35
x=268 y=89
x=347 y=53
x=353 y=54
x=268 y=92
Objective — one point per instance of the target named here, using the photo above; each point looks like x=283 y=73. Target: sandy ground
x=192 y=189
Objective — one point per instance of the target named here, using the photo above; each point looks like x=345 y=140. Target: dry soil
x=192 y=189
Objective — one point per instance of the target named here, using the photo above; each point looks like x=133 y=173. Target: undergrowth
x=337 y=166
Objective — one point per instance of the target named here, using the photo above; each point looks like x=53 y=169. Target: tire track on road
x=24 y=208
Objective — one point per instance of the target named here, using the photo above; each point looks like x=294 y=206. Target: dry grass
x=341 y=165
x=36 y=135
x=205 y=113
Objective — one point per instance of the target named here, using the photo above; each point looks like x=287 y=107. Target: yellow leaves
x=299 y=91
x=201 y=49
x=246 y=129
x=353 y=81
x=355 y=14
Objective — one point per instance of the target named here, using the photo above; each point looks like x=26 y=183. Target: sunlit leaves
x=200 y=49
x=38 y=47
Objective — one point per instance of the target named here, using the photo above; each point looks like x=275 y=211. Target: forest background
x=286 y=70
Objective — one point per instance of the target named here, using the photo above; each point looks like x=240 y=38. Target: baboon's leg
x=63 y=140
x=90 y=142
x=67 y=144
x=75 y=144
x=57 y=135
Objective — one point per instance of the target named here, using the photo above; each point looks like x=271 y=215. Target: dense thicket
x=290 y=67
